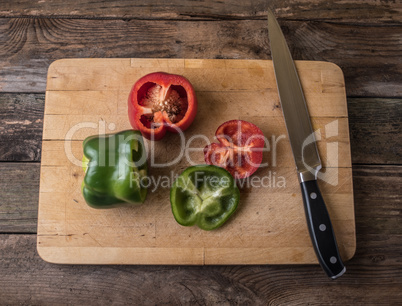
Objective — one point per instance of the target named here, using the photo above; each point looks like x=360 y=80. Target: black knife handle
x=321 y=232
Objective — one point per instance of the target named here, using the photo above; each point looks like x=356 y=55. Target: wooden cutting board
x=88 y=96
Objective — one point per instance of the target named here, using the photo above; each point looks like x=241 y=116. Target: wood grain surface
x=343 y=11
x=31 y=44
x=363 y=37
x=269 y=227
x=374 y=125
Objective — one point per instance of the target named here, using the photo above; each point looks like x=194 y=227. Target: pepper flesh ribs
x=239 y=150
x=160 y=102
x=205 y=196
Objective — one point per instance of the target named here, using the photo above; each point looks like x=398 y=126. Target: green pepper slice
x=204 y=195
x=114 y=165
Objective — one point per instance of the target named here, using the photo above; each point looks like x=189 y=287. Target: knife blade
x=304 y=150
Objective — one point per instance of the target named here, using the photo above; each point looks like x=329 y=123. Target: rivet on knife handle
x=306 y=157
x=321 y=232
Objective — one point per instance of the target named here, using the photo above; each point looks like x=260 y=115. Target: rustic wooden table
x=363 y=38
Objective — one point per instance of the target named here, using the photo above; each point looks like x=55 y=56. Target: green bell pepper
x=205 y=196
x=114 y=165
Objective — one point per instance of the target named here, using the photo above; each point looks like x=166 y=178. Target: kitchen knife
x=305 y=152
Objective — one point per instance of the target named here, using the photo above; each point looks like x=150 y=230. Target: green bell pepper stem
x=204 y=195
x=114 y=165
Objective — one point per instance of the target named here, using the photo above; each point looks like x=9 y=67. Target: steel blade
x=293 y=104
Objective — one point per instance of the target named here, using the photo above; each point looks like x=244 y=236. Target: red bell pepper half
x=239 y=150
x=159 y=102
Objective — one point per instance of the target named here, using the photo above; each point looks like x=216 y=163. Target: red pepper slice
x=239 y=150
x=159 y=102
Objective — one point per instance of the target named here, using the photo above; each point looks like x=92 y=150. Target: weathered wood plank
x=368 y=54
x=339 y=11
x=375 y=130
x=377 y=194
x=372 y=185
x=375 y=126
x=21 y=123
x=373 y=277
x=19 y=195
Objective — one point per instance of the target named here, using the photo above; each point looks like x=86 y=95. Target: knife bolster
x=308 y=175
